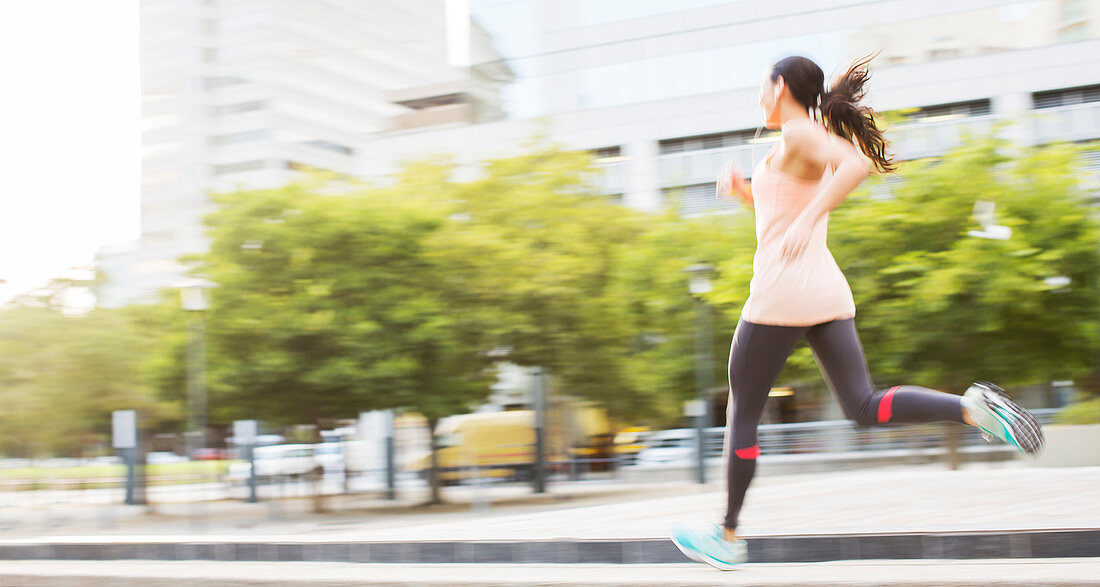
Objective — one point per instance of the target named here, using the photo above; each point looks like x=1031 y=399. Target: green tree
x=329 y=305
x=61 y=376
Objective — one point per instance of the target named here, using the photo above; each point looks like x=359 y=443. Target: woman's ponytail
x=844 y=116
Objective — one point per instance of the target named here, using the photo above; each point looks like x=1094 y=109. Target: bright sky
x=70 y=143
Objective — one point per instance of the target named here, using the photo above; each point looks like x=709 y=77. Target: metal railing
x=807 y=438
x=843 y=435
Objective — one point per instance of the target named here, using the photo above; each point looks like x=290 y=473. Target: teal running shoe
x=1000 y=417
x=706 y=545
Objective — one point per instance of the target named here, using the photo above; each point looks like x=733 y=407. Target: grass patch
x=101 y=476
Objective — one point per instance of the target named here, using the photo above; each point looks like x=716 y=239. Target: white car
x=280 y=460
x=668 y=448
x=330 y=455
x=159 y=458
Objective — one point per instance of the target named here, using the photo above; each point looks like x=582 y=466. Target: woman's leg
x=840 y=356
x=757 y=356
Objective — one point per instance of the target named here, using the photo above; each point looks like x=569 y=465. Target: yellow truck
x=629 y=442
x=502 y=444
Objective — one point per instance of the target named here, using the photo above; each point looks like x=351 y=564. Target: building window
x=238 y=108
x=1066 y=97
x=607 y=154
x=710 y=141
x=214 y=83
x=305 y=167
x=952 y=110
x=943 y=54
x=435 y=101
x=329 y=146
x=229 y=168
x=240 y=137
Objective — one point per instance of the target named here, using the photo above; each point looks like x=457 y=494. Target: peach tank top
x=809 y=290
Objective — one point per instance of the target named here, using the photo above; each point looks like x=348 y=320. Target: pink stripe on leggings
x=885 y=404
x=747 y=453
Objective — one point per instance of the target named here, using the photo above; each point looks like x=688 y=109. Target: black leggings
x=757 y=356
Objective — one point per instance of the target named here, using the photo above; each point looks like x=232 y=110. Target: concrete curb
x=1031 y=544
x=1050 y=572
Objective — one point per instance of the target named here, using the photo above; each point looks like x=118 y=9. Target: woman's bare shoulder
x=810 y=140
x=806 y=132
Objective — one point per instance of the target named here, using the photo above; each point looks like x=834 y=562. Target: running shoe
x=707 y=545
x=1000 y=417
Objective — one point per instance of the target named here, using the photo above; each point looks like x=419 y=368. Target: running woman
x=797 y=290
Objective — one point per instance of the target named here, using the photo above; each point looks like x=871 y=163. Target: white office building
x=249 y=93
x=665 y=92
x=245 y=93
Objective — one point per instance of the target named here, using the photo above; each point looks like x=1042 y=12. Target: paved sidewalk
x=899 y=499
x=933 y=573
x=904 y=499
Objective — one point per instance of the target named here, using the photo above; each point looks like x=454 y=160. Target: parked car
x=668 y=448
x=162 y=457
x=280 y=460
x=330 y=456
x=209 y=454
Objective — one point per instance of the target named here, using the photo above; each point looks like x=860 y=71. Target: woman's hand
x=796 y=239
x=730 y=182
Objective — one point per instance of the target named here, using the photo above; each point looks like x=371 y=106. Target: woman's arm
x=821 y=147
x=730 y=181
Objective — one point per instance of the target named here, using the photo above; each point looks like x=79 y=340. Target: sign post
x=244 y=436
x=391 y=461
x=124 y=439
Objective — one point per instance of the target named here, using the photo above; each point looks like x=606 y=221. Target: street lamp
x=194 y=299
x=538 y=391
x=698 y=285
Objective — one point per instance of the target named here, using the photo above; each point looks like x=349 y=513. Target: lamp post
x=704 y=375
x=195 y=300
x=539 y=392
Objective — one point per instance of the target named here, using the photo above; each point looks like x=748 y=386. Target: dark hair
x=840 y=106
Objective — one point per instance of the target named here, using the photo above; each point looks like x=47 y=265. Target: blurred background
x=377 y=239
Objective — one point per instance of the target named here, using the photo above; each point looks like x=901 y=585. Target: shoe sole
x=695 y=556
x=701 y=558
x=1025 y=429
